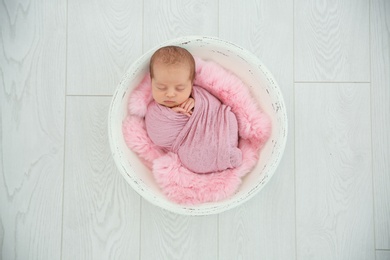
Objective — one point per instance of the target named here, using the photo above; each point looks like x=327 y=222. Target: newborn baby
x=172 y=71
x=188 y=120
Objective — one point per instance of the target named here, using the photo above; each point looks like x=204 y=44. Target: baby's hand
x=188 y=105
x=185 y=107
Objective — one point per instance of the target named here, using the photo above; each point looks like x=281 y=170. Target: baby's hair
x=173 y=55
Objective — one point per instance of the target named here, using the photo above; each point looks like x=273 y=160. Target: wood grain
x=104 y=39
x=382 y=255
x=52 y=48
x=264 y=227
x=331 y=40
x=333 y=172
x=166 y=235
x=265 y=28
x=380 y=100
x=101 y=211
x=32 y=83
x=169 y=19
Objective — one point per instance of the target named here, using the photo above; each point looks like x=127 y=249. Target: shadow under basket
x=263 y=88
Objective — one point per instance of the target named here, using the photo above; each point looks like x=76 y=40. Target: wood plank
x=167 y=235
x=32 y=83
x=382 y=255
x=380 y=102
x=169 y=19
x=333 y=172
x=331 y=41
x=101 y=211
x=264 y=227
x=104 y=39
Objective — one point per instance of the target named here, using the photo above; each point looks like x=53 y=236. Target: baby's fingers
x=184 y=104
x=188 y=105
x=181 y=110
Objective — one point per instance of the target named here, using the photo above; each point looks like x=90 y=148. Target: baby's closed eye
x=160 y=87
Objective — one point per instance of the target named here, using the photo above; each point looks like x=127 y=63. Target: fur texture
x=178 y=183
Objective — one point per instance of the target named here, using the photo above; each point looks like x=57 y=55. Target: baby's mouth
x=169 y=103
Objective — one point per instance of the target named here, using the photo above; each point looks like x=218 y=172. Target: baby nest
x=173 y=186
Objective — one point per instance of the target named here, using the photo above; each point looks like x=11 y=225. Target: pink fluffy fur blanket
x=177 y=182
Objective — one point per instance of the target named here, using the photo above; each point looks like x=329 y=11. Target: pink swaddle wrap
x=205 y=142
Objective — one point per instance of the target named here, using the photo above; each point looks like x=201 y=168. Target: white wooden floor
x=61 y=196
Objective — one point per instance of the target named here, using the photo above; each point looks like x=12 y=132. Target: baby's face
x=171 y=84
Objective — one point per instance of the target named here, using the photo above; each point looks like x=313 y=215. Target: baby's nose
x=170 y=93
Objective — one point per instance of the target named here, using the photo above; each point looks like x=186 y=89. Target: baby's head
x=172 y=71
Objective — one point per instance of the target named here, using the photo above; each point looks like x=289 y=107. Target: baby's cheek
x=156 y=95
